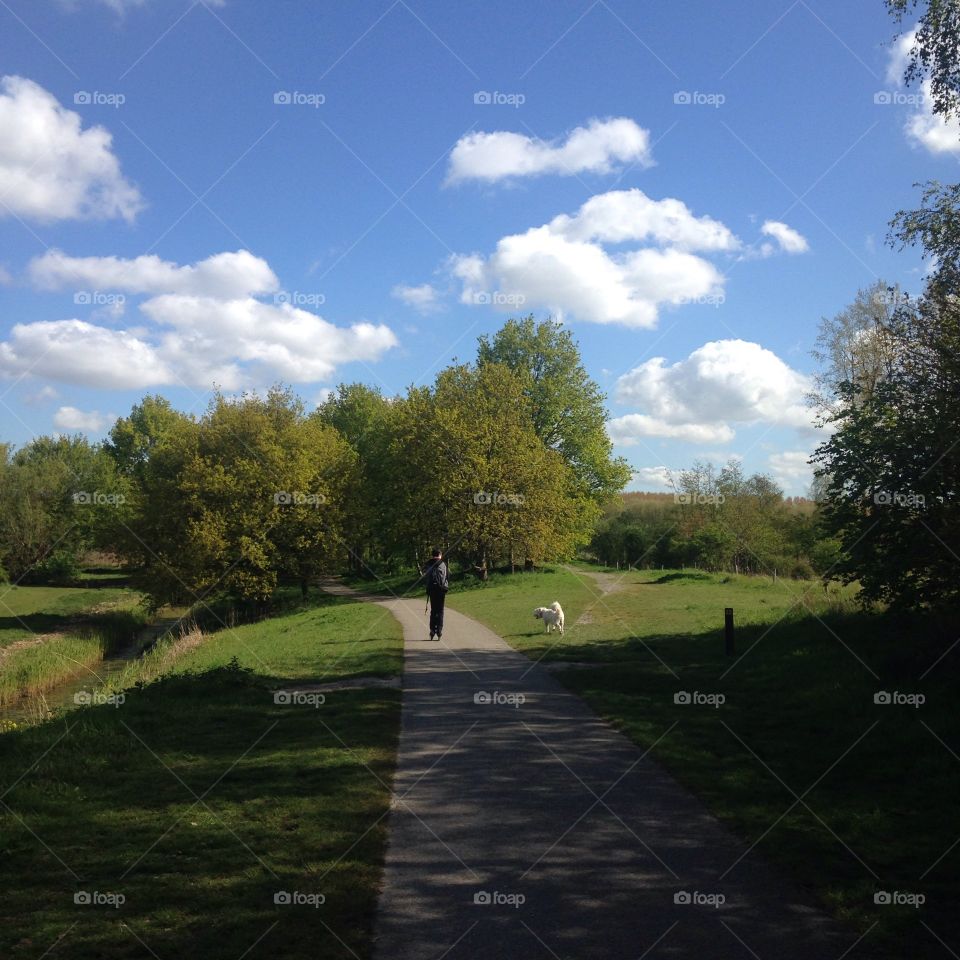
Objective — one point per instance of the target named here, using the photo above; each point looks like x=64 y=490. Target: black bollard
x=728 y=631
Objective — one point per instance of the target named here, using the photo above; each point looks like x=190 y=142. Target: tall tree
x=566 y=406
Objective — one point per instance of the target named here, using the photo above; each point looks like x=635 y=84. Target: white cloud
x=788 y=239
x=74 y=351
x=629 y=430
x=50 y=167
x=791 y=469
x=899 y=57
x=222 y=275
x=596 y=148
x=423 y=298
x=203 y=328
x=721 y=383
x=563 y=267
x=70 y=418
x=41 y=396
x=651 y=478
x=936 y=134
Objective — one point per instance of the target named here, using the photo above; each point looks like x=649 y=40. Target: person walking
x=435 y=577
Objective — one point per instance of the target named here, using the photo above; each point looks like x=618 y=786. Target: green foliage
x=717 y=520
x=566 y=406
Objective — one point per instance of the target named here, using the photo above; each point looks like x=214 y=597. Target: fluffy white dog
x=551 y=616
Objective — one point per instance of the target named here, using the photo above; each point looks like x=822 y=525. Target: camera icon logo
x=482 y=497
x=83 y=698
x=282 y=97
x=482 y=898
x=882 y=498
x=82 y=298
x=682 y=697
x=883 y=98
x=82 y=897
x=482 y=97
x=282 y=897
x=883 y=697
x=682 y=97
x=283 y=697
x=81 y=97
x=882 y=898
x=681 y=897
x=482 y=697
x=283 y=498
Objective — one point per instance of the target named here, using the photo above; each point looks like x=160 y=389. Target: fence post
x=728 y=631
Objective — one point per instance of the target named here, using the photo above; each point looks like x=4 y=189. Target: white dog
x=551 y=616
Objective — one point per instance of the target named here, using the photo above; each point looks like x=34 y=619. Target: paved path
x=536 y=798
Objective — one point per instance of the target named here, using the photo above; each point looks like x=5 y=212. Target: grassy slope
x=795 y=703
x=293 y=798
x=76 y=626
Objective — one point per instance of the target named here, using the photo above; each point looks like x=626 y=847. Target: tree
x=893 y=466
x=935 y=53
x=471 y=475
x=566 y=406
x=855 y=344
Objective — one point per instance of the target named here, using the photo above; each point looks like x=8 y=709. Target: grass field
x=877 y=782
x=48 y=634
x=200 y=801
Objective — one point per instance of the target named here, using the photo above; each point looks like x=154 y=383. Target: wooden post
x=728 y=631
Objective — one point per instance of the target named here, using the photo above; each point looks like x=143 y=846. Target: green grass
x=797 y=701
x=291 y=798
x=48 y=634
x=27 y=611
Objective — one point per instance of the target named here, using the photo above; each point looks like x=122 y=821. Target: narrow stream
x=87 y=679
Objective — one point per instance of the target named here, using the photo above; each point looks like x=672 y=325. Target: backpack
x=437 y=577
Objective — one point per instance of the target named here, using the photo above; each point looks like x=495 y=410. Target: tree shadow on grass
x=292 y=798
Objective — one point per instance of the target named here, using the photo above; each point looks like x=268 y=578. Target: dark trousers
x=437 y=598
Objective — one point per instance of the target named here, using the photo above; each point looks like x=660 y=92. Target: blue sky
x=314 y=192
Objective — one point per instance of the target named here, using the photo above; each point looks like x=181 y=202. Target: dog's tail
x=555 y=606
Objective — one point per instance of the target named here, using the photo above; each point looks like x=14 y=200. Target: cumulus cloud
x=596 y=148
x=423 y=298
x=723 y=382
x=53 y=169
x=564 y=267
x=651 y=478
x=787 y=239
x=203 y=327
x=630 y=430
x=222 y=275
x=70 y=418
x=791 y=469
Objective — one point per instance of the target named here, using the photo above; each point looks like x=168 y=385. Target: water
x=63 y=695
